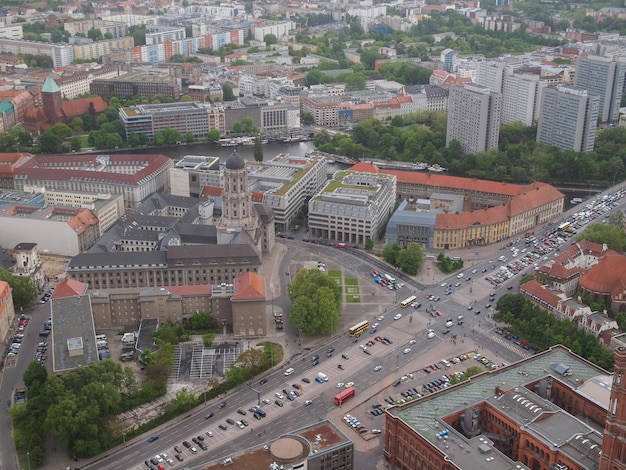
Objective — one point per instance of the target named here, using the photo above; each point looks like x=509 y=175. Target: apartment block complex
x=139 y=83
x=474 y=118
x=117 y=28
x=604 y=77
x=567 y=118
x=521 y=92
x=61 y=54
x=191 y=117
x=7 y=310
x=79 y=83
x=352 y=207
x=95 y=50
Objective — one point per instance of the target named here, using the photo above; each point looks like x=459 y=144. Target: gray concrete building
x=604 y=77
x=474 y=118
x=352 y=207
x=567 y=119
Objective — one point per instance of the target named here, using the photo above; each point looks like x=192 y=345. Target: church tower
x=614 y=441
x=52 y=100
x=236 y=200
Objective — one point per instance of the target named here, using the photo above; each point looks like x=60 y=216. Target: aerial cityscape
x=327 y=235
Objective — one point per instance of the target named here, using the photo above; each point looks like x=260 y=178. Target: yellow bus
x=405 y=303
x=359 y=328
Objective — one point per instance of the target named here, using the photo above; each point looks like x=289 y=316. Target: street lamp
x=28 y=458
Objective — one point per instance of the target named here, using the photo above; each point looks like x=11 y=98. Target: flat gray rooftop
x=72 y=319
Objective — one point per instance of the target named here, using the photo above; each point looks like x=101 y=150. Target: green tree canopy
x=611 y=235
x=24 y=289
x=315 y=301
x=258 y=149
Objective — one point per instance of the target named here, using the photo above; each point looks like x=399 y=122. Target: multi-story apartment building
x=604 y=77
x=206 y=92
x=265 y=114
x=139 y=83
x=117 y=28
x=520 y=91
x=325 y=110
x=428 y=97
x=7 y=310
x=278 y=29
x=474 y=118
x=353 y=207
x=133 y=176
x=162 y=34
x=287 y=183
x=184 y=117
x=97 y=49
x=79 y=83
x=61 y=54
x=13 y=31
x=521 y=94
x=568 y=118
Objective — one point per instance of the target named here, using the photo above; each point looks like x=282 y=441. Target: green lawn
x=351 y=281
x=334 y=273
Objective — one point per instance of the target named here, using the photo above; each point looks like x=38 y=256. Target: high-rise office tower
x=474 y=118
x=521 y=92
x=602 y=76
x=567 y=118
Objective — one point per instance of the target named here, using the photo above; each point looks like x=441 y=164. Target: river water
x=270 y=150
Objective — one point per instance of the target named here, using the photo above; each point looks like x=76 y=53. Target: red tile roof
x=82 y=221
x=257 y=196
x=608 y=276
x=211 y=191
x=69 y=288
x=490 y=216
x=197 y=290
x=249 y=286
x=75 y=108
x=536 y=289
x=52 y=167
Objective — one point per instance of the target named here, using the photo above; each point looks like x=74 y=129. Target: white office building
x=352 y=207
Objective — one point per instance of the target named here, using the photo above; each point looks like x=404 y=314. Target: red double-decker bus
x=344 y=395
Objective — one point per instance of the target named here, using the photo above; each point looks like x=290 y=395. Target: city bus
x=406 y=302
x=359 y=328
x=344 y=395
x=564 y=226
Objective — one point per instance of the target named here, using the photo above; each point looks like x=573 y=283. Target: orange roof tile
x=363 y=167
x=211 y=191
x=82 y=221
x=69 y=288
x=490 y=216
x=608 y=276
x=249 y=286
x=197 y=290
x=533 y=196
x=257 y=196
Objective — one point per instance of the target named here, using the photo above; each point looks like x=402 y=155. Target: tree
x=258 y=149
x=252 y=360
x=307 y=119
x=50 y=143
x=78 y=125
x=75 y=144
x=95 y=34
x=369 y=244
x=201 y=321
x=247 y=125
x=611 y=235
x=270 y=39
x=390 y=253
x=227 y=93
x=213 y=135
x=63 y=131
x=411 y=258
x=237 y=127
x=315 y=301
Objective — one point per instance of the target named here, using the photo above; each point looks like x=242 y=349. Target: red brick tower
x=614 y=442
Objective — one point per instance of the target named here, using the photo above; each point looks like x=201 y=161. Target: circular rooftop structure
x=288 y=449
x=235 y=161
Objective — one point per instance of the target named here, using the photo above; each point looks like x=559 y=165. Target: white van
x=289 y=371
x=101 y=337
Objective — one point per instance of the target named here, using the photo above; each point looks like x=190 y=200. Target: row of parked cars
x=16 y=343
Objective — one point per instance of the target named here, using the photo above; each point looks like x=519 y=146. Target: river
x=270 y=150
